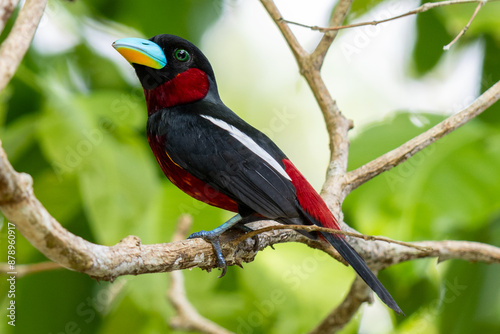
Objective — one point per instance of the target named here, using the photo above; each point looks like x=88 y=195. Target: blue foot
x=213 y=238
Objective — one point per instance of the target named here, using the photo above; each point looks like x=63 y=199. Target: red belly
x=191 y=185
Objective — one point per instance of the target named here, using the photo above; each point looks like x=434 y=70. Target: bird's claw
x=213 y=238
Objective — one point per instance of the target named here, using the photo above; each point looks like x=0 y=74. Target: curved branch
x=129 y=257
x=385 y=162
x=17 y=43
x=337 y=125
x=21 y=207
x=444 y=250
x=290 y=38
x=387 y=252
x=462 y=32
x=315 y=228
x=338 y=16
x=26 y=269
x=421 y=9
x=6 y=10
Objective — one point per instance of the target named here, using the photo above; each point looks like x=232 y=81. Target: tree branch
x=26 y=269
x=462 y=32
x=290 y=38
x=129 y=257
x=315 y=228
x=357 y=177
x=442 y=250
x=387 y=252
x=337 y=125
x=338 y=16
x=339 y=183
x=17 y=43
x=423 y=8
x=6 y=10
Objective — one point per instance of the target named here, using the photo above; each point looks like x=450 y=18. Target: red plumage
x=188 y=86
x=185 y=181
x=309 y=199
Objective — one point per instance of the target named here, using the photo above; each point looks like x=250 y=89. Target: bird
x=213 y=155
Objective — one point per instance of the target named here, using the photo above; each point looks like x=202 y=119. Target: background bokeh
x=74 y=118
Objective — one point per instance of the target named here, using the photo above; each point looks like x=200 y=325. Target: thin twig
x=290 y=38
x=357 y=177
x=26 y=269
x=6 y=10
x=337 y=125
x=17 y=43
x=338 y=16
x=129 y=257
x=444 y=250
x=314 y=228
x=462 y=32
x=184 y=224
x=423 y=8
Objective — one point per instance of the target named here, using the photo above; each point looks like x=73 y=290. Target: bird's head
x=172 y=70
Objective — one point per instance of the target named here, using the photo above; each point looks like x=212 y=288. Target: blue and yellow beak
x=141 y=51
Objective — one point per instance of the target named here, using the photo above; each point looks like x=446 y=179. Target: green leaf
x=17 y=103
x=360 y=7
x=74 y=290
x=58 y=195
x=467 y=287
x=67 y=136
x=189 y=18
x=19 y=135
x=117 y=187
x=490 y=75
x=115 y=112
x=448 y=187
x=431 y=37
x=113 y=165
x=128 y=317
x=486 y=21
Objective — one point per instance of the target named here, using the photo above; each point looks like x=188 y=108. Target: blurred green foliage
x=71 y=121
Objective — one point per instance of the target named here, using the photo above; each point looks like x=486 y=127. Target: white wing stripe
x=249 y=143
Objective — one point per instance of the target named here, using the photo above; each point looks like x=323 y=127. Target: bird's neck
x=189 y=86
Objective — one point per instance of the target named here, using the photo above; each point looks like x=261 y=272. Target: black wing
x=215 y=156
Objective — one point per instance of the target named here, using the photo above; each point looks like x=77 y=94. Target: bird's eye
x=181 y=55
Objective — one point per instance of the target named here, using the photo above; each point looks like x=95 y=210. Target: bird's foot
x=213 y=238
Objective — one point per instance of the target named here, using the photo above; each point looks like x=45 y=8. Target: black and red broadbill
x=210 y=153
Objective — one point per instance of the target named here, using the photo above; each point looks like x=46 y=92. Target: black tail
x=360 y=266
x=356 y=262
